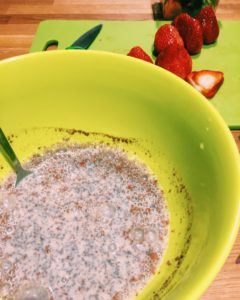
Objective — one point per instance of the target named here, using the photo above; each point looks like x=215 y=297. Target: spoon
x=12 y=159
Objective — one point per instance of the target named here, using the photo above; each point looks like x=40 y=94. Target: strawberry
x=209 y=24
x=171 y=8
x=166 y=36
x=191 y=31
x=138 y=52
x=175 y=59
x=206 y=82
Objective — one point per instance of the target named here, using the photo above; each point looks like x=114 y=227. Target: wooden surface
x=18 y=22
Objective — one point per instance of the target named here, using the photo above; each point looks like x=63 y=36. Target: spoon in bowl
x=12 y=159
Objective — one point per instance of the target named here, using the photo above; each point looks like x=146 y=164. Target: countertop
x=18 y=23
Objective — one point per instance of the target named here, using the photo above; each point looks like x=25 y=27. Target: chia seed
x=91 y=223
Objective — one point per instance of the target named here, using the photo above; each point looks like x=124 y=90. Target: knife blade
x=85 y=40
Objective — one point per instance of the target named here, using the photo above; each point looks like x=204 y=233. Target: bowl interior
x=176 y=132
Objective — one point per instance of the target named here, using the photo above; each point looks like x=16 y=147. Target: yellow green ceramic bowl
x=175 y=130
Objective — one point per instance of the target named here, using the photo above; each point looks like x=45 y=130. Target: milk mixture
x=90 y=223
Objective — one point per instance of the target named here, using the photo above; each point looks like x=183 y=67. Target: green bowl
x=176 y=132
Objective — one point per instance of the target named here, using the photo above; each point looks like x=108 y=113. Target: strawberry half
x=209 y=24
x=139 y=53
x=191 y=31
x=206 y=82
x=165 y=36
x=175 y=59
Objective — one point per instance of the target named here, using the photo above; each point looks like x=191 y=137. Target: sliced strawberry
x=139 y=53
x=206 y=82
x=165 y=36
x=209 y=24
x=191 y=31
x=175 y=59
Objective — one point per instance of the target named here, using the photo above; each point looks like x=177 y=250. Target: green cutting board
x=121 y=36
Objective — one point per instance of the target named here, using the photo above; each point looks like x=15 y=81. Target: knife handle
x=75 y=48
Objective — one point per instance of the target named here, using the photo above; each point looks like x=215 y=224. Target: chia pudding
x=90 y=223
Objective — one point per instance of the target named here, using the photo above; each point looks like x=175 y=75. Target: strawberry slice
x=206 y=82
x=139 y=53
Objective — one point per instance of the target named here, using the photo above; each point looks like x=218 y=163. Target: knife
x=85 y=40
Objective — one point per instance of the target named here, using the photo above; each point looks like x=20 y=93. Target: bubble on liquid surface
x=32 y=292
x=6 y=265
x=112 y=247
x=137 y=235
x=150 y=235
x=108 y=210
x=64 y=280
x=9 y=230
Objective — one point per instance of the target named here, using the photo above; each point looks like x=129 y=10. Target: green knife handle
x=75 y=48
